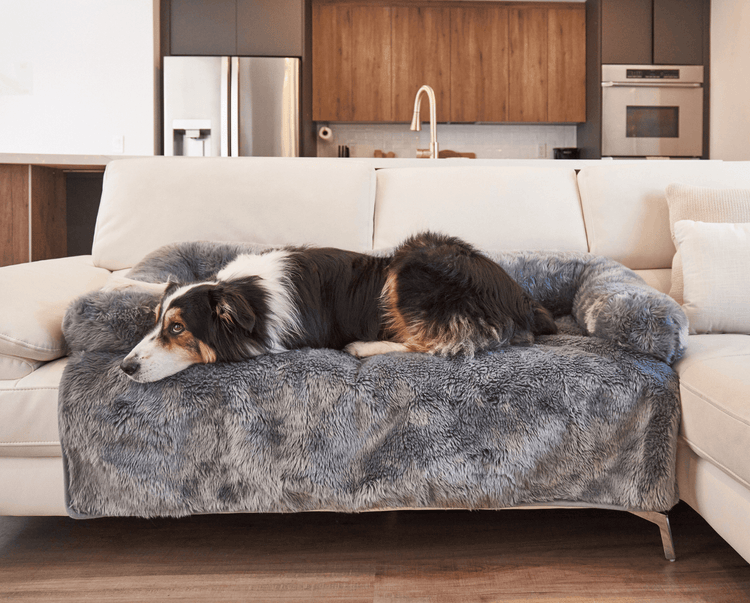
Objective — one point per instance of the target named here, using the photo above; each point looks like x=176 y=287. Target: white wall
x=75 y=74
x=730 y=80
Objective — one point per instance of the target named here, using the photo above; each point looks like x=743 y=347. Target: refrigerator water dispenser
x=191 y=137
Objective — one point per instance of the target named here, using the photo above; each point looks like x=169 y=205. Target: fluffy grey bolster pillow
x=606 y=299
x=612 y=302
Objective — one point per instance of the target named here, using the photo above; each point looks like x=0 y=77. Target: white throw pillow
x=702 y=204
x=716 y=272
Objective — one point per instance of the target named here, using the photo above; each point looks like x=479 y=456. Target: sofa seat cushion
x=28 y=413
x=715 y=390
x=148 y=203
x=497 y=209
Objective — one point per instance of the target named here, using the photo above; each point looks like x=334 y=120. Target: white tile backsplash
x=488 y=141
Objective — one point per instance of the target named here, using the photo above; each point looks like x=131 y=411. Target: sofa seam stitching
x=32 y=443
x=27 y=389
x=688 y=363
x=720 y=466
x=713 y=404
x=30 y=345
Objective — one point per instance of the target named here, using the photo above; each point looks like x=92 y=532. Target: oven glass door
x=642 y=121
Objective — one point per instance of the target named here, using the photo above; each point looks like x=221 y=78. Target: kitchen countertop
x=99 y=162
x=66 y=162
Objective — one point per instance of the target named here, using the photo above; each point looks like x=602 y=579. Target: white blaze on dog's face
x=169 y=348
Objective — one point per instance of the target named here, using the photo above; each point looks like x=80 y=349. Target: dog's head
x=200 y=323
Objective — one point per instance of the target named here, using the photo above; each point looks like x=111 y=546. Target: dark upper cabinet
x=627 y=31
x=236 y=27
x=678 y=32
x=203 y=27
x=270 y=27
x=652 y=32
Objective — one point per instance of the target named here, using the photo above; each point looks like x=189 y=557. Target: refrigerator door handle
x=234 y=105
x=225 y=106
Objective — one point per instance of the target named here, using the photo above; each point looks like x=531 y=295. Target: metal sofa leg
x=661 y=519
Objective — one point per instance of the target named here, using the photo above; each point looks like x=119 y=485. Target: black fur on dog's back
x=338 y=297
x=443 y=296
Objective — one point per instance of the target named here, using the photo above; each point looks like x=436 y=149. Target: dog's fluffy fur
x=435 y=294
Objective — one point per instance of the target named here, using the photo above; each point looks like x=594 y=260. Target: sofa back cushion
x=147 y=203
x=625 y=205
x=495 y=208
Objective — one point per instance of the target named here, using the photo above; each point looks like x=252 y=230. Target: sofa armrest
x=613 y=302
x=32 y=305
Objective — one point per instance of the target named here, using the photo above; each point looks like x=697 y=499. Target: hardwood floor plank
x=520 y=556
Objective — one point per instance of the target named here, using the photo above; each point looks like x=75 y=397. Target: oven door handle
x=651 y=85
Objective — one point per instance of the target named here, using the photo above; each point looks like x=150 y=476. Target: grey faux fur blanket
x=586 y=416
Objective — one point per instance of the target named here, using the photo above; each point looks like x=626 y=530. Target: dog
x=435 y=294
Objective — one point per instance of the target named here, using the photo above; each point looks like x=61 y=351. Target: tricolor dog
x=435 y=294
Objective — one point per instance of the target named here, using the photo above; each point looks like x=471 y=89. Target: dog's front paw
x=364 y=349
x=357 y=349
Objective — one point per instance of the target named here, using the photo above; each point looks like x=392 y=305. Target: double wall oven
x=652 y=111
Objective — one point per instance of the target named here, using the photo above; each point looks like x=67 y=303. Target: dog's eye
x=176 y=328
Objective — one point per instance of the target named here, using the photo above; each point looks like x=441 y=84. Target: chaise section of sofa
x=627 y=218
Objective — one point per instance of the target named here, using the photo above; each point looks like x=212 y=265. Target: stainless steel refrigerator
x=231 y=106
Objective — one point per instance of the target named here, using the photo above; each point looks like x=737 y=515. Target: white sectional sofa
x=615 y=209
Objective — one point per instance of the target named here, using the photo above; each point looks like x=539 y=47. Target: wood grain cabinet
x=352 y=68
x=486 y=61
x=566 y=65
x=33 y=221
x=421 y=54
x=479 y=64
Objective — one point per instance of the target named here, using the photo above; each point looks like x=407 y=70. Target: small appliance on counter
x=652 y=110
x=566 y=153
x=231 y=106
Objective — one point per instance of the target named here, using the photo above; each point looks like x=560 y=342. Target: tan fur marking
x=185 y=343
x=207 y=353
x=459 y=336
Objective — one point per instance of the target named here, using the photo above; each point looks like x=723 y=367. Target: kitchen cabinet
x=487 y=62
x=566 y=65
x=479 y=59
x=421 y=54
x=270 y=28
x=33 y=221
x=200 y=27
x=678 y=32
x=352 y=76
x=236 y=27
x=527 y=100
x=653 y=32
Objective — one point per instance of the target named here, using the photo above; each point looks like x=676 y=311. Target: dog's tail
x=544 y=323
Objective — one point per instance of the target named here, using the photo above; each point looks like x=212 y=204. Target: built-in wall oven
x=652 y=111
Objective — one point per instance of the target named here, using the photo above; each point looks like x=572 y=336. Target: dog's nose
x=130 y=367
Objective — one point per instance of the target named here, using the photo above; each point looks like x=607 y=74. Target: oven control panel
x=653 y=74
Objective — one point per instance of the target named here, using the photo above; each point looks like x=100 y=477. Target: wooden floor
x=548 y=555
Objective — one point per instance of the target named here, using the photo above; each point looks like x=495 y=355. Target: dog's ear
x=232 y=310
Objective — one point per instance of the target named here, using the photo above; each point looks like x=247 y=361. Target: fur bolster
x=190 y=262
x=612 y=302
x=112 y=321
x=606 y=299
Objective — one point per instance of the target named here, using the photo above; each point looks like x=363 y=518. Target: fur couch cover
x=587 y=416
